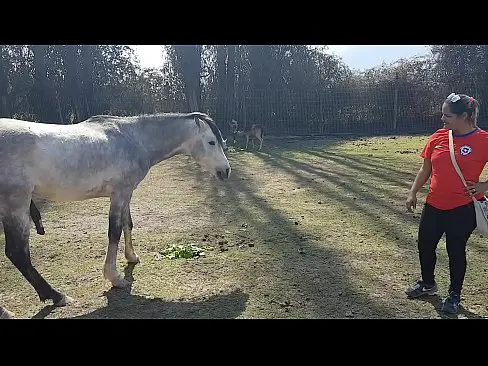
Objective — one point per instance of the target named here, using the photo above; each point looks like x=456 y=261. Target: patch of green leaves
x=186 y=251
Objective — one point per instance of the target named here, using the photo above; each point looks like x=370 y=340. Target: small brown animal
x=256 y=132
x=234 y=127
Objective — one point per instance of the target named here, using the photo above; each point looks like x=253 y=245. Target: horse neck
x=163 y=138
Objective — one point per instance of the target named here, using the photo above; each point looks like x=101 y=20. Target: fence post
x=245 y=94
x=395 y=104
x=59 y=107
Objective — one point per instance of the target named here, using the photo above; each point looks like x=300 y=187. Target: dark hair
x=461 y=103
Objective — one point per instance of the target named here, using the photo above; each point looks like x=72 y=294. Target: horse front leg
x=127 y=226
x=16 y=229
x=118 y=202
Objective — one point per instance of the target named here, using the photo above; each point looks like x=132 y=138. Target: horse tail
x=262 y=132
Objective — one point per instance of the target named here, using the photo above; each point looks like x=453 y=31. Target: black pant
x=458 y=224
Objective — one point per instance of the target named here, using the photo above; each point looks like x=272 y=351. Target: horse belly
x=58 y=185
x=56 y=192
x=76 y=171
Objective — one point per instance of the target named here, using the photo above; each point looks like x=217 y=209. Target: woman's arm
x=422 y=176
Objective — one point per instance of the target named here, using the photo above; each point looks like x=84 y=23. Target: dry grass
x=303 y=229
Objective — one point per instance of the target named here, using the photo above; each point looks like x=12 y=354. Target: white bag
x=480 y=207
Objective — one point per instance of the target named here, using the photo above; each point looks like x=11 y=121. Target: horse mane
x=202 y=116
x=100 y=117
x=211 y=123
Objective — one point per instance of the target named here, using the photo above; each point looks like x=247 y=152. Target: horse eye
x=211 y=143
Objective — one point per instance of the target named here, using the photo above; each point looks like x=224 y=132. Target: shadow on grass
x=124 y=305
x=300 y=269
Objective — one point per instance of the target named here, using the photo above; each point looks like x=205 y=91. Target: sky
x=365 y=57
x=356 y=57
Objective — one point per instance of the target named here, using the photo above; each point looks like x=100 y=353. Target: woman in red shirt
x=448 y=206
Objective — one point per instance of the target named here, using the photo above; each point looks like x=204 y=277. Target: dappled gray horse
x=104 y=156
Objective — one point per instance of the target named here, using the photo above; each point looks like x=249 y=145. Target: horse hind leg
x=118 y=201
x=127 y=226
x=16 y=229
x=36 y=217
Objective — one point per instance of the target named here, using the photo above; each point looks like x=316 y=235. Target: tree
x=42 y=94
x=188 y=61
x=87 y=80
x=4 y=83
x=70 y=57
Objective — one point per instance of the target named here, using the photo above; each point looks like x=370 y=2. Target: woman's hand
x=474 y=188
x=411 y=201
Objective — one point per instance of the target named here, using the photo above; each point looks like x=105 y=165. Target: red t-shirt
x=446 y=189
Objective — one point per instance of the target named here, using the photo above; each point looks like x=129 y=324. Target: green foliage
x=186 y=251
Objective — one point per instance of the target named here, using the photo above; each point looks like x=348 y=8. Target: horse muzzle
x=223 y=174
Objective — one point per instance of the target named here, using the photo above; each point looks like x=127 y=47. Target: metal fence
x=368 y=110
x=365 y=110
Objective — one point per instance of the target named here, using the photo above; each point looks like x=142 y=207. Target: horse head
x=208 y=147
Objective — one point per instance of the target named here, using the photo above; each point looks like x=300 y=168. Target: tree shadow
x=45 y=311
x=304 y=272
x=436 y=302
x=124 y=305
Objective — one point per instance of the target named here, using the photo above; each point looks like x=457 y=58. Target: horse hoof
x=6 y=314
x=64 y=301
x=120 y=282
x=134 y=260
x=40 y=230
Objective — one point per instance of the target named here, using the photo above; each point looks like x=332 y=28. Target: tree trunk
x=221 y=84
x=42 y=92
x=260 y=72
x=189 y=60
x=87 y=81
x=70 y=60
x=4 y=109
x=230 y=81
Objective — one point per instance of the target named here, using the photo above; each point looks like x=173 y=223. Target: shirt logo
x=465 y=150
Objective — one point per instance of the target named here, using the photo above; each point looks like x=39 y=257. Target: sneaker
x=451 y=303
x=420 y=288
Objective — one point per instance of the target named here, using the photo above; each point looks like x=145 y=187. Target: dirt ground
x=303 y=229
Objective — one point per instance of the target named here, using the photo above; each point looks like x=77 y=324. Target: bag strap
x=454 y=162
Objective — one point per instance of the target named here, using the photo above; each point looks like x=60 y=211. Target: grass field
x=303 y=229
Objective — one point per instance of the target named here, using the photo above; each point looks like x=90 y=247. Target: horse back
x=50 y=152
x=17 y=141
